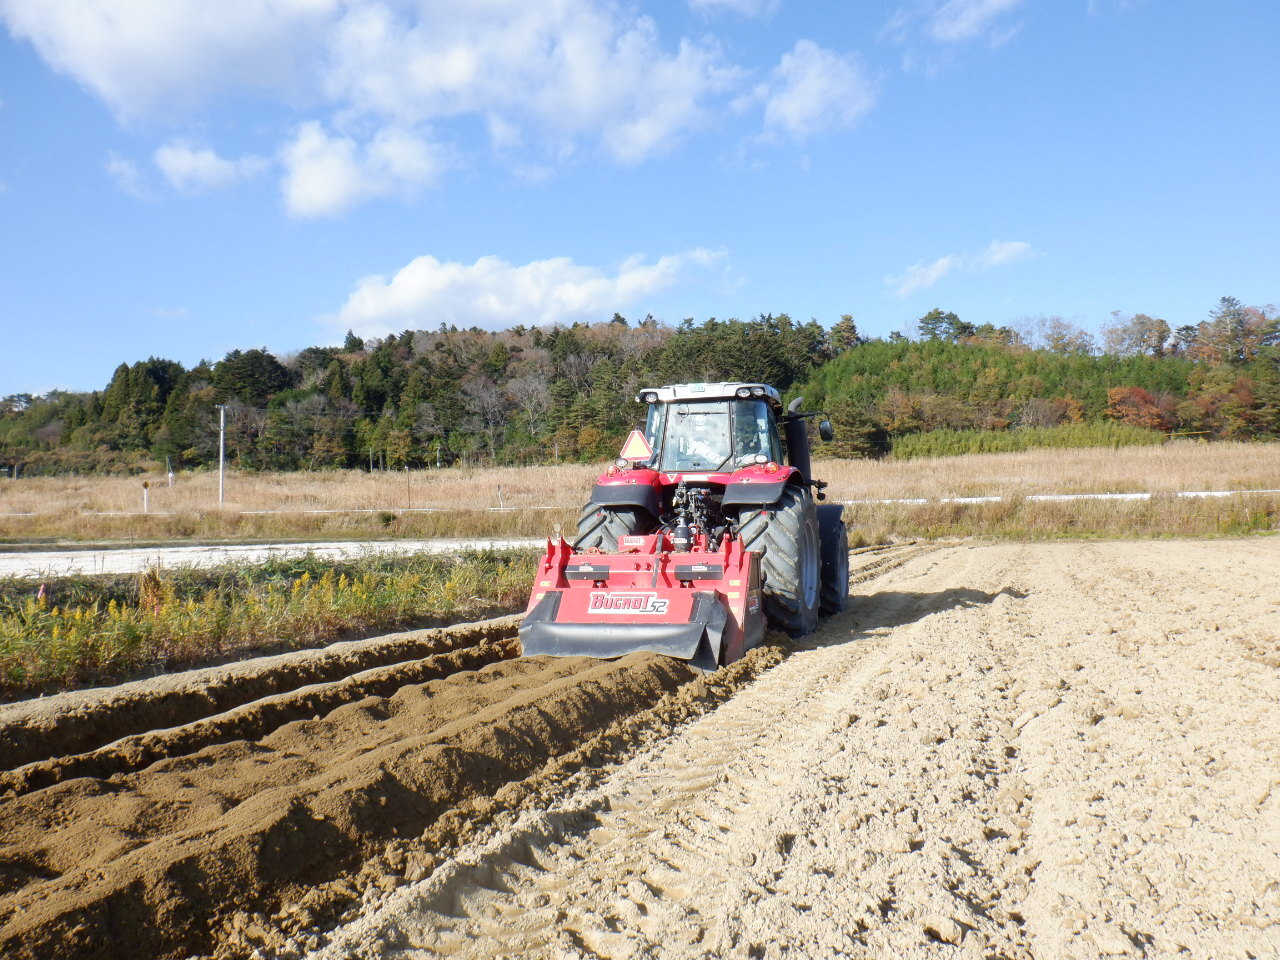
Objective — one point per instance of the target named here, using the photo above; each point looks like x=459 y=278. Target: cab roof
x=708 y=391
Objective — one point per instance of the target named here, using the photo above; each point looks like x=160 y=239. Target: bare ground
x=1051 y=750
x=1040 y=751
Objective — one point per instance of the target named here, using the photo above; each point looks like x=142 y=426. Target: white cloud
x=545 y=77
x=369 y=76
x=745 y=8
x=923 y=275
x=326 y=175
x=190 y=168
x=951 y=22
x=1099 y=7
x=493 y=293
x=1000 y=252
x=127 y=176
x=567 y=70
x=960 y=20
x=159 y=56
x=813 y=89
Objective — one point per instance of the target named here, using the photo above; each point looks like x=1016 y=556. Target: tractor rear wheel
x=602 y=527
x=835 y=559
x=785 y=535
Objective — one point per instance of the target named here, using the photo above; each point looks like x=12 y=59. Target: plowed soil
x=1052 y=750
x=139 y=846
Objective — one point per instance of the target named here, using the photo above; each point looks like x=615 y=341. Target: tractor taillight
x=771 y=467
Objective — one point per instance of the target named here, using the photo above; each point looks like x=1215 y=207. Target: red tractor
x=705 y=527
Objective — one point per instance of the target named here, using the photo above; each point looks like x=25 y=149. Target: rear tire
x=785 y=535
x=602 y=527
x=835 y=560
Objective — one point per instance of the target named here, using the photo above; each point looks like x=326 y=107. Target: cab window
x=753 y=432
x=697 y=437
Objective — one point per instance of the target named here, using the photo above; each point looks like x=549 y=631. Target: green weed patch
x=83 y=630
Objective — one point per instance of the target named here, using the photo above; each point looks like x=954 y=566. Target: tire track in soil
x=1153 y=762
x=153 y=841
x=1001 y=750
x=677 y=853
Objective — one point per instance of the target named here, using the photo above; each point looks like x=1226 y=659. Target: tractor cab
x=712 y=430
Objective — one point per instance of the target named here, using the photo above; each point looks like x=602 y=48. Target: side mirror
x=826 y=431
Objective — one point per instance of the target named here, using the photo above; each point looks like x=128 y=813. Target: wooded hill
x=527 y=395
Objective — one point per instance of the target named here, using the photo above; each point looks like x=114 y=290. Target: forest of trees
x=534 y=395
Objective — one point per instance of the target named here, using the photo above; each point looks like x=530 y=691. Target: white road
x=66 y=562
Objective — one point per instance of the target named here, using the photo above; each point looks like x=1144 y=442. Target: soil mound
x=147 y=862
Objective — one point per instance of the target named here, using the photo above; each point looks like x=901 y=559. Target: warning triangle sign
x=636 y=447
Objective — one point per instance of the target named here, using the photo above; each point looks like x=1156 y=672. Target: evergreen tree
x=251 y=376
x=937 y=325
x=844 y=335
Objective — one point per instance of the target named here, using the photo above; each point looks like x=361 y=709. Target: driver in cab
x=705 y=441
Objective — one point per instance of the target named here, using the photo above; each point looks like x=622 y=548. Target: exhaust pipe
x=793 y=428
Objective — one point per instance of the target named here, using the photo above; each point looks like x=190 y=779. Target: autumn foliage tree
x=1138 y=408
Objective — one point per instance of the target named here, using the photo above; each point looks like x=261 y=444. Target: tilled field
x=1054 y=750
x=135 y=819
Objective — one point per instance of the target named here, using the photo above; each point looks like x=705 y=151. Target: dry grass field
x=465 y=502
x=1168 y=468
x=452 y=488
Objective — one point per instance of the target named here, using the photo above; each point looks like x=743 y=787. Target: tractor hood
x=641 y=486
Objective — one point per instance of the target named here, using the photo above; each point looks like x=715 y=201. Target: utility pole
x=222 y=450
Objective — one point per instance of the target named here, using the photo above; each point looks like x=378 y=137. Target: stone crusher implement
x=686 y=600
x=704 y=529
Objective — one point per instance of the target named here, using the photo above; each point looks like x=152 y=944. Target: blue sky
x=180 y=178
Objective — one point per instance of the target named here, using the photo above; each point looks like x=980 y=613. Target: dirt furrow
x=148 y=862
x=251 y=721
x=871 y=562
x=83 y=720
